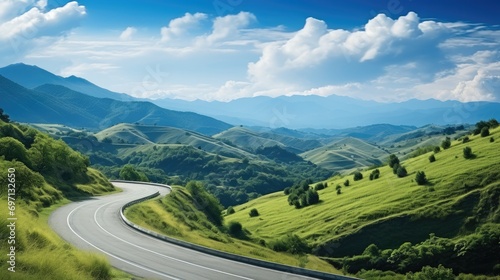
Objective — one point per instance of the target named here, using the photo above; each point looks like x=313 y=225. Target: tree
x=346 y=183
x=312 y=197
x=468 y=153
x=492 y=139
x=420 y=178
x=485 y=131
x=437 y=149
x=446 y=143
x=253 y=212
x=357 y=176
x=465 y=140
x=393 y=160
x=4 y=117
x=129 y=173
x=320 y=186
x=375 y=174
x=401 y=172
x=230 y=210
x=235 y=228
x=432 y=158
x=339 y=189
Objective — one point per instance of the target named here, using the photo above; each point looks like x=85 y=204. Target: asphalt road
x=95 y=225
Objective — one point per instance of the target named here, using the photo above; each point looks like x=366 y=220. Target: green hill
x=252 y=140
x=46 y=174
x=458 y=209
x=346 y=154
x=144 y=134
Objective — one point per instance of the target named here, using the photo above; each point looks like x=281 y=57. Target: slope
x=60 y=105
x=462 y=195
x=346 y=154
x=144 y=134
x=31 y=76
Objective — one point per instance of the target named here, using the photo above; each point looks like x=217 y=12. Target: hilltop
x=458 y=205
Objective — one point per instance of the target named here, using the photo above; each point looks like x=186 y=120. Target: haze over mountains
x=41 y=96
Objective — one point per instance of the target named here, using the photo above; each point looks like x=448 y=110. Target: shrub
x=291 y=243
x=393 y=160
x=286 y=191
x=468 y=153
x=253 y=212
x=446 y=143
x=401 y=172
x=437 y=149
x=320 y=186
x=432 y=158
x=346 y=183
x=420 y=178
x=492 y=140
x=230 y=210
x=375 y=174
x=235 y=228
x=466 y=139
x=339 y=189
x=485 y=131
x=357 y=176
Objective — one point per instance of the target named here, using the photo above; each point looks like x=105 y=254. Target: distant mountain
x=335 y=112
x=58 y=104
x=30 y=76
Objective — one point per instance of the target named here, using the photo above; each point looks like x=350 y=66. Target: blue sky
x=390 y=50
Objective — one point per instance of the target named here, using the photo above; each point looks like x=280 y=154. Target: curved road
x=95 y=225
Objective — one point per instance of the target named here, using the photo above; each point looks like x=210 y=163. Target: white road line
x=114 y=256
x=159 y=254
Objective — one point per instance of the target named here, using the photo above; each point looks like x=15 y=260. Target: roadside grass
x=390 y=210
x=175 y=215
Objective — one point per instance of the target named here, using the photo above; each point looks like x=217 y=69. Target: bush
x=485 y=131
x=253 y=213
x=446 y=143
x=432 y=273
x=393 y=160
x=375 y=174
x=432 y=158
x=230 y=210
x=346 y=183
x=466 y=139
x=468 y=153
x=291 y=243
x=339 y=189
x=401 y=172
x=420 y=178
x=357 y=176
x=320 y=186
x=492 y=140
x=437 y=149
x=235 y=228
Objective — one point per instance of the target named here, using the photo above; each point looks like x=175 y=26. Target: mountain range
x=315 y=114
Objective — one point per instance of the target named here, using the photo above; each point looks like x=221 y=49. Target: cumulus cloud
x=32 y=26
x=178 y=27
x=128 y=33
x=227 y=28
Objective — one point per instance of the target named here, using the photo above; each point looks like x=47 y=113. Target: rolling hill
x=346 y=154
x=59 y=105
x=458 y=206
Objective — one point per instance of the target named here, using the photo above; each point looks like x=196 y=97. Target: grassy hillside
x=179 y=216
x=462 y=197
x=47 y=174
x=346 y=154
x=144 y=134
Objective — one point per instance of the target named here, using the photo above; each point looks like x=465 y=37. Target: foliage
x=235 y=229
x=437 y=149
x=279 y=154
x=357 y=176
x=492 y=139
x=465 y=139
x=432 y=273
x=446 y=143
x=253 y=212
x=206 y=202
x=339 y=189
x=230 y=210
x=468 y=153
x=401 y=172
x=290 y=243
x=393 y=160
x=129 y=173
x=420 y=178
x=375 y=174
x=432 y=158
x=485 y=125
x=346 y=183
x=485 y=132
x=320 y=186
x=301 y=195
x=4 y=117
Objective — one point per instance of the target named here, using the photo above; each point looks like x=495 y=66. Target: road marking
x=159 y=254
x=112 y=255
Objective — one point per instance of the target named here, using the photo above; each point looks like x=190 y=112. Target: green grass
x=390 y=210
x=175 y=215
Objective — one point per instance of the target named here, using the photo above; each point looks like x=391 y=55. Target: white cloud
x=128 y=33
x=226 y=28
x=30 y=27
x=178 y=27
